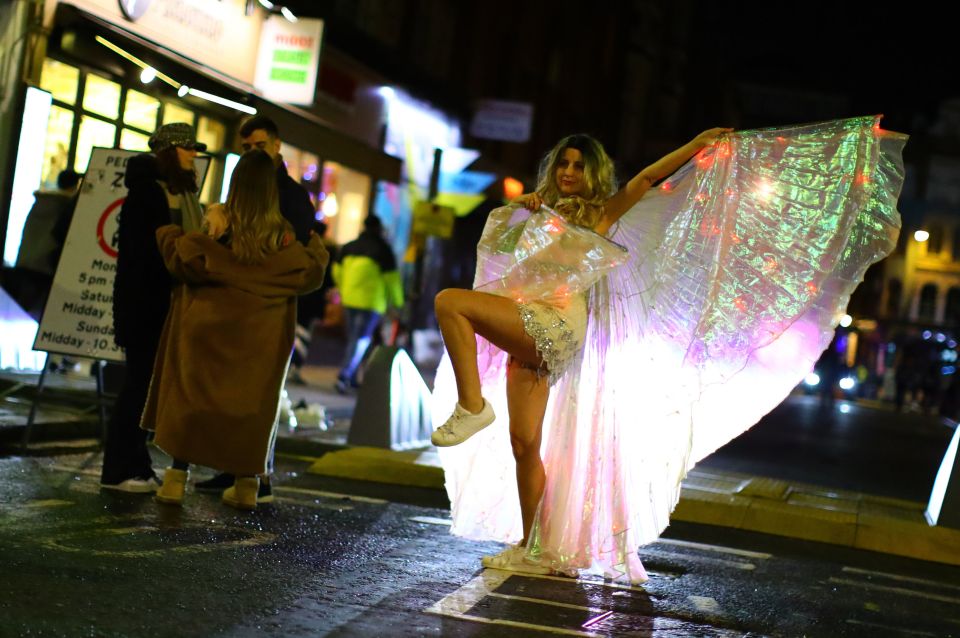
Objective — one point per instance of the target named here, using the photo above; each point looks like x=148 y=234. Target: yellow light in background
x=512 y=188
x=851 y=354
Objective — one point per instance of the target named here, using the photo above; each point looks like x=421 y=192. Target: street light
x=921 y=235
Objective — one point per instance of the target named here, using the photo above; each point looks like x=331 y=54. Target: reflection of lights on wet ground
x=844 y=408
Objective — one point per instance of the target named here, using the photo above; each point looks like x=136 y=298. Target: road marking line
x=322 y=506
x=586 y=579
x=431 y=520
x=74 y=470
x=51 y=502
x=906 y=579
x=457 y=603
x=352 y=497
x=58 y=543
x=461 y=600
x=896 y=590
x=714 y=548
x=552 y=603
x=912 y=632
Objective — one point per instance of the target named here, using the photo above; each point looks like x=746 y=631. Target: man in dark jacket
x=295 y=205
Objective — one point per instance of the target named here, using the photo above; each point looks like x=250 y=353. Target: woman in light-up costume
x=735 y=271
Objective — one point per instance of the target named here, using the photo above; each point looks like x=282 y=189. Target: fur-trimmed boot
x=174 y=485
x=243 y=494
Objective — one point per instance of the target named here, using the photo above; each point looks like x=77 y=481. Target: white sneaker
x=514 y=559
x=462 y=425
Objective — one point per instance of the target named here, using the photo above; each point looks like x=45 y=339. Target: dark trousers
x=360 y=327
x=125 y=453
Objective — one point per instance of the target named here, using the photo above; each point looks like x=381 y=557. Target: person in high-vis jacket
x=366 y=274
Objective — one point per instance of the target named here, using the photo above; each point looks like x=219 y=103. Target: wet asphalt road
x=75 y=561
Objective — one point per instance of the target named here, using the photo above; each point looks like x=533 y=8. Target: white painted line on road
x=906 y=579
x=714 y=548
x=51 y=502
x=352 y=497
x=593 y=581
x=456 y=604
x=313 y=504
x=431 y=520
x=552 y=603
x=470 y=594
x=888 y=628
x=896 y=590
x=75 y=470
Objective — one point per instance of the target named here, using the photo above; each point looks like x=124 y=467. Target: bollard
x=393 y=404
x=943 y=508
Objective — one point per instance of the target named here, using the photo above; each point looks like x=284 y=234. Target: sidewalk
x=709 y=497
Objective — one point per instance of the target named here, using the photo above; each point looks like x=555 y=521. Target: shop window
x=346 y=195
x=176 y=113
x=101 y=96
x=61 y=80
x=56 y=149
x=140 y=111
x=134 y=141
x=93 y=132
x=928 y=302
x=212 y=133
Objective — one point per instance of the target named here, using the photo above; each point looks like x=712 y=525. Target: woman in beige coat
x=227 y=339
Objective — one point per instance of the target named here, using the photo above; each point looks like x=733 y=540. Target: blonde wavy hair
x=599 y=180
x=257 y=229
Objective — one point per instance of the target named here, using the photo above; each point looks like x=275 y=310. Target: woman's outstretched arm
x=631 y=193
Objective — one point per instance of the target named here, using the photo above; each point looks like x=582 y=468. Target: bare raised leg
x=527 y=394
x=463 y=314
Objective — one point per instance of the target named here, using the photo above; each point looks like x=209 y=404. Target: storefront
x=113 y=78
x=93 y=68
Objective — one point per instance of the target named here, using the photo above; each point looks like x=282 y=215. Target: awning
x=298 y=127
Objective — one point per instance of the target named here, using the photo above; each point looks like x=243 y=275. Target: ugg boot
x=243 y=494
x=174 y=484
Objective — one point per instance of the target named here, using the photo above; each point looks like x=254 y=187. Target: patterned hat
x=175 y=134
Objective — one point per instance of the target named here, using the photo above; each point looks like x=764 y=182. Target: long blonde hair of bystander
x=257 y=229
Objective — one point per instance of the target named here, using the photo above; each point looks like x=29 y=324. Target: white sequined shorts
x=558 y=332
